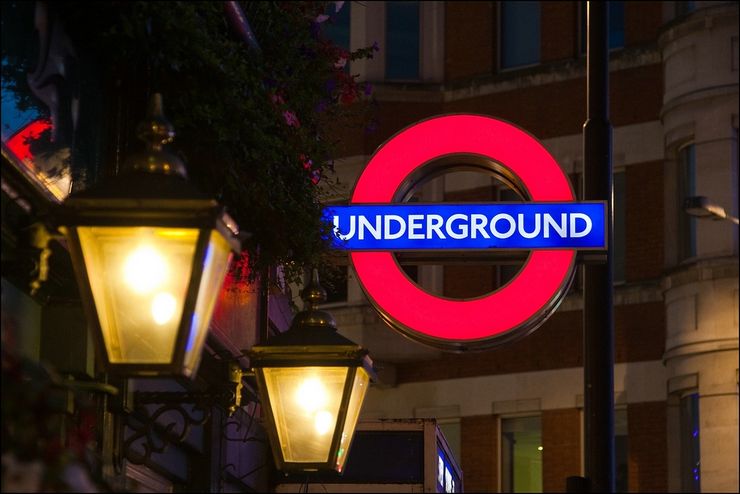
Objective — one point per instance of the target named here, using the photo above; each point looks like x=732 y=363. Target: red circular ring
x=537 y=285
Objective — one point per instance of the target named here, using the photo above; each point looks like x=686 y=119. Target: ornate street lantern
x=312 y=382
x=150 y=253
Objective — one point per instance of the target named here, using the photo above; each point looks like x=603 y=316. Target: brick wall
x=469 y=32
x=636 y=95
x=644 y=221
x=642 y=21
x=532 y=108
x=479 y=453
x=648 y=466
x=559 y=30
x=558 y=344
x=464 y=282
x=561 y=443
x=561 y=455
x=639 y=332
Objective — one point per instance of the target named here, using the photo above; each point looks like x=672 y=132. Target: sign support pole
x=598 y=310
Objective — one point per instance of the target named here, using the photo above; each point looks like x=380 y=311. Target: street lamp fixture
x=312 y=382
x=703 y=207
x=150 y=254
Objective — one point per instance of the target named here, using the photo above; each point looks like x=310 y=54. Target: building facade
x=514 y=415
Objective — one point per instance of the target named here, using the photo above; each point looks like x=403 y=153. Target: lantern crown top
x=314 y=294
x=156 y=131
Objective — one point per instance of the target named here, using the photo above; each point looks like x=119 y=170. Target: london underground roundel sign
x=551 y=225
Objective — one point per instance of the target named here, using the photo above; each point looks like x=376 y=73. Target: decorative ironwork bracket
x=154 y=436
x=171 y=423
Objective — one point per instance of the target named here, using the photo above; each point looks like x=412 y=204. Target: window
x=402 y=40
x=521 y=454
x=687 y=188
x=450 y=427
x=690 y=460
x=519 y=33
x=684 y=8
x=337 y=27
x=619 y=228
x=616 y=26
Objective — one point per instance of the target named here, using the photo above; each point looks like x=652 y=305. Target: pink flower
x=321 y=18
x=277 y=99
x=340 y=63
x=290 y=119
x=307 y=163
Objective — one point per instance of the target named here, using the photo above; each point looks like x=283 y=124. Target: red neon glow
x=528 y=293
x=19 y=143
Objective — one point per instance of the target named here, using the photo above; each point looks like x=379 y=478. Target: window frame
x=419 y=55
x=687 y=224
x=501 y=419
x=499 y=43
x=583 y=33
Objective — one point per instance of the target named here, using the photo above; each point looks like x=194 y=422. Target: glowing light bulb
x=539 y=448
x=144 y=270
x=323 y=422
x=163 y=308
x=311 y=394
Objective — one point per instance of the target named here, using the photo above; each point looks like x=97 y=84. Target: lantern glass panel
x=215 y=264
x=305 y=404
x=359 y=388
x=139 y=278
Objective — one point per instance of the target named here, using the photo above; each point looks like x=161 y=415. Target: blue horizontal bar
x=526 y=225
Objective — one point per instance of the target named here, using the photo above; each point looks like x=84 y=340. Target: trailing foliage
x=251 y=123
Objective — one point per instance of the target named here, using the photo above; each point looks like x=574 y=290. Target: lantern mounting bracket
x=171 y=422
x=230 y=396
x=40 y=237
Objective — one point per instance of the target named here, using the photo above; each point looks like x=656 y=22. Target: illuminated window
x=690 y=459
x=402 y=40
x=520 y=33
x=687 y=188
x=521 y=454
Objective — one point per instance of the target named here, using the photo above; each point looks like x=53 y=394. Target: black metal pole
x=263 y=318
x=598 y=310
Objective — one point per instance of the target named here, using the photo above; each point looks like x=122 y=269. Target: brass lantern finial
x=314 y=294
x=156 y=131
